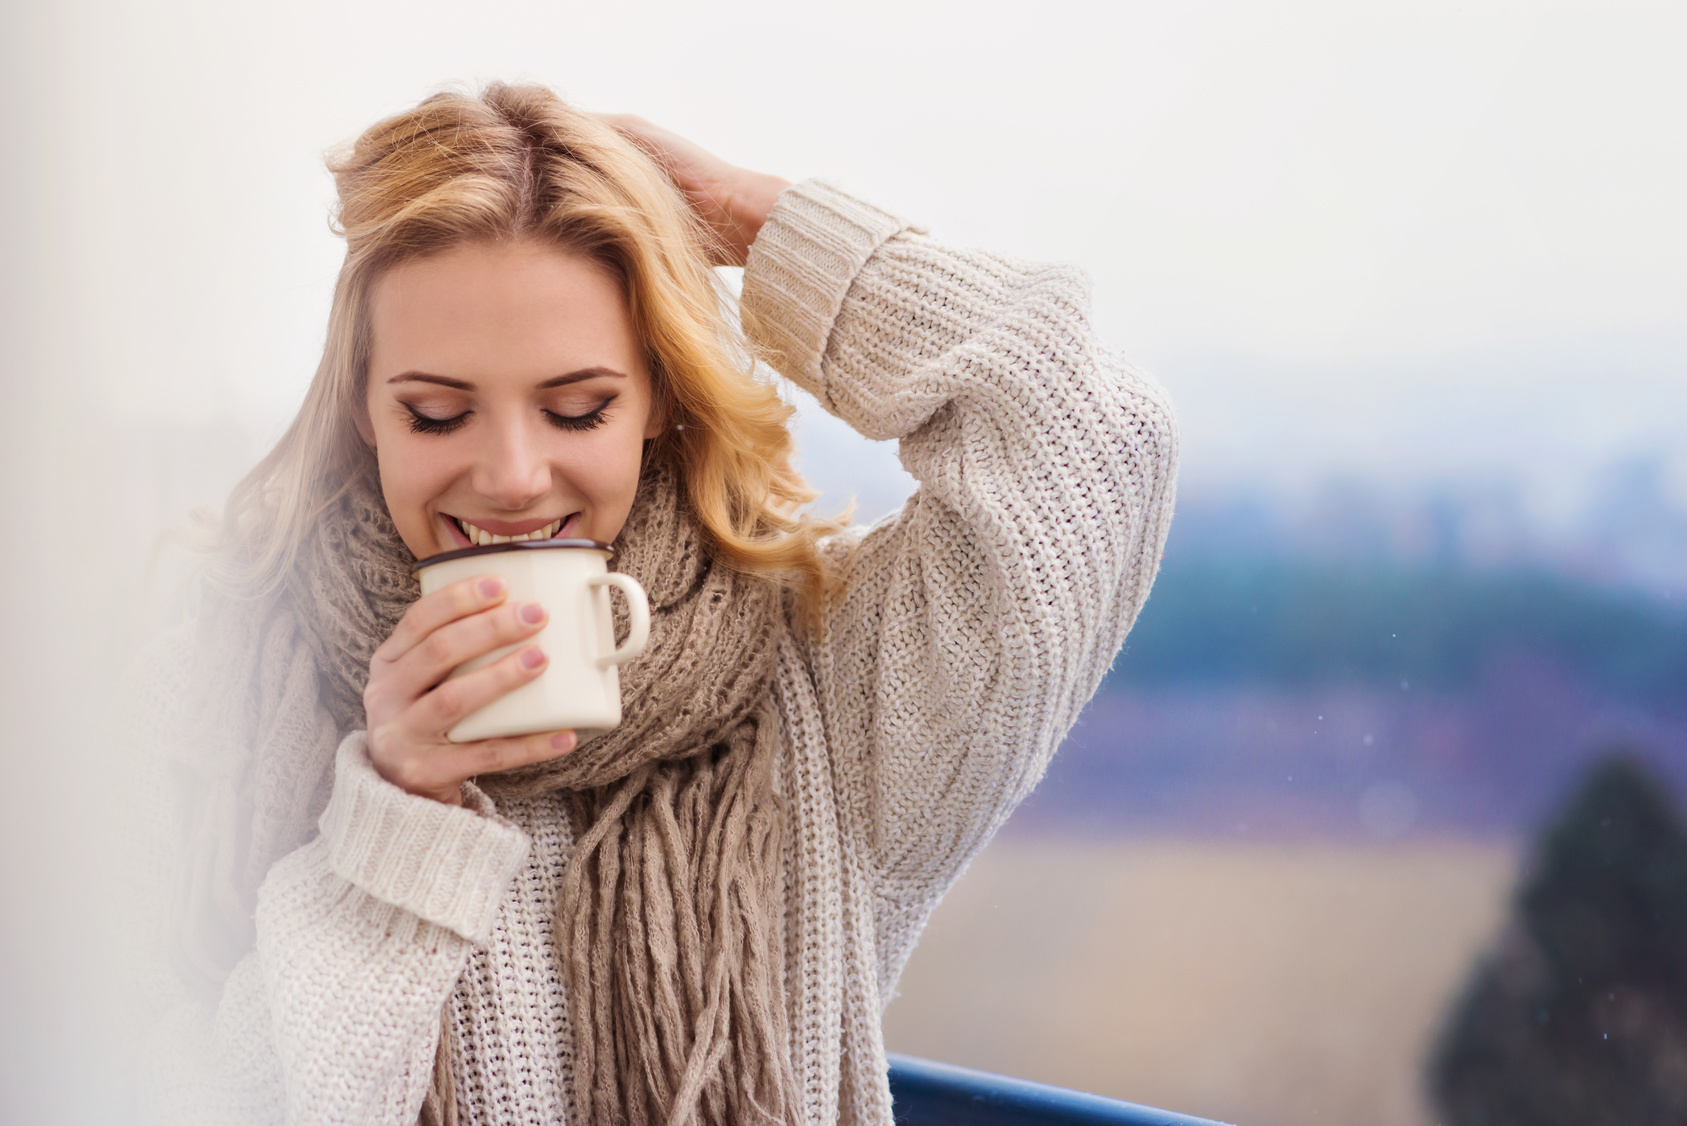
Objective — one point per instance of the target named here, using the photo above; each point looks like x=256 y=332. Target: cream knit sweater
x=975 y=624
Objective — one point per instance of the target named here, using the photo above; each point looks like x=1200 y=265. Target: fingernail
x=532 y=613
x=563 y=741
x=491 y=586
x=532 y=658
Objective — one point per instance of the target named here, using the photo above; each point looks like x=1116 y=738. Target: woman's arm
x=361 y=936
x=977 y=622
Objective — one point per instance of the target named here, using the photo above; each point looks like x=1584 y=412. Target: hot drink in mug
x=579 y=689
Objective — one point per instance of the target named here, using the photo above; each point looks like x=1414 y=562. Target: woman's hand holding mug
x=411 y=704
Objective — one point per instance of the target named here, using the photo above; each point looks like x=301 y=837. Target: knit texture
x=972 y=627
x=413 y=853
x=668 y=913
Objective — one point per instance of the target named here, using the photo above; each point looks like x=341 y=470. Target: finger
x=626 y=124
x=431 y=661
x=490 y=756
x=692 y=167
x=645 y=134
x=642 y=134
x=447 y=604
x=441 y=708
x=439 y=772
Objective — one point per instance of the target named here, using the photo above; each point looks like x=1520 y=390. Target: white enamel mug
x=579 y=689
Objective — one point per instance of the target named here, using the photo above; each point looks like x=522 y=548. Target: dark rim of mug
x=513 y=545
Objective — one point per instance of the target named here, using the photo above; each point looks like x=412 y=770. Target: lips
x=483 y=537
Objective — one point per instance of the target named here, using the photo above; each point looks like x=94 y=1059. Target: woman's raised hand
x=733 y=201
x=411 y=705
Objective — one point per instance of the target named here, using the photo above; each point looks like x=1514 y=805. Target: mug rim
x=513 y=545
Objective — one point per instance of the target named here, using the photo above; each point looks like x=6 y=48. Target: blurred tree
x=1579 y=1017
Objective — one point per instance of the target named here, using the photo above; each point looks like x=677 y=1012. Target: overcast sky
x=1407 y=239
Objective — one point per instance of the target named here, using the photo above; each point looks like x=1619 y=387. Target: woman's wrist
x=751 y=203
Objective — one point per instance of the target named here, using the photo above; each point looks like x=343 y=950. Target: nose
x=511 y=471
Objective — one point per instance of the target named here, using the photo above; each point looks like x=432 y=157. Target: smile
x=480 y=537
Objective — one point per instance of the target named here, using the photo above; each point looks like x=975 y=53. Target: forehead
x=483 y=309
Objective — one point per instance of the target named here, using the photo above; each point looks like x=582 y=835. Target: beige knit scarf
x=670 y=926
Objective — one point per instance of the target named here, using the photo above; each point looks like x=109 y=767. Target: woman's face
x=508 y=397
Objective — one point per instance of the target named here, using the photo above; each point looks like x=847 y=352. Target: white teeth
x=482 y=538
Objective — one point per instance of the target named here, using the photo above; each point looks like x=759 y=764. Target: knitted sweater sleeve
x=974 y=624
x=361 y=936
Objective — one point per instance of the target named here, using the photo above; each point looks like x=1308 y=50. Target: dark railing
x=924 y=1093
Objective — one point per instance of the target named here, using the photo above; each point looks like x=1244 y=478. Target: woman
x=699 y=916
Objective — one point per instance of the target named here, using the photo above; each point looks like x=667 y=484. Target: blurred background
x=1415 y=276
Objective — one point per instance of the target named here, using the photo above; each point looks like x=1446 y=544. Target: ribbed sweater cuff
x=801 y=265
x=450 y=865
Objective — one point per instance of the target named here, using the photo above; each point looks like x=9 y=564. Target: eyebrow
x=463 y=385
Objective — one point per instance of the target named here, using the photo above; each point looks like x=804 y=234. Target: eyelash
x=578 y=421
x=425 y=424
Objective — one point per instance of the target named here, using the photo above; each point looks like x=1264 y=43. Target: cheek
x=613 y=468
x=412 y=477
x=605 y=472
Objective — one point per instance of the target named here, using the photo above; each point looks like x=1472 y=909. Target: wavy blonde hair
x=516 y=162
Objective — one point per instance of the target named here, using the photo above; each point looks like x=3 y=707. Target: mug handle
x=638 y=615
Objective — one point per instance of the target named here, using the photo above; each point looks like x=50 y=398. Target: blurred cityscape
x=1386 y=661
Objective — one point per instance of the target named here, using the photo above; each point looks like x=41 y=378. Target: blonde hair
x=517 y=162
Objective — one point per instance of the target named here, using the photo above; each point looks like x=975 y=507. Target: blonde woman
x=698 y=917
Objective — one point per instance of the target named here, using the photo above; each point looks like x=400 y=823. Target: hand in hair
x=733 y=202
x=411 y=705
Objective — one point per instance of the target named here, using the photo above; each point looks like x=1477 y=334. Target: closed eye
x=577 y=421
x=427 y=424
